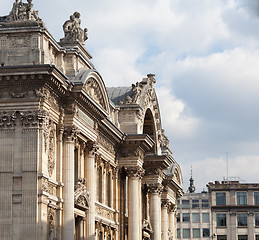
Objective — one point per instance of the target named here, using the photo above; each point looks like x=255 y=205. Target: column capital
x=70 y=133
x=166 y=204
x=155 y=188
x=137 y=172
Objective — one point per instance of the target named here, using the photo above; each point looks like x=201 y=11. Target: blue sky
x=205 y=54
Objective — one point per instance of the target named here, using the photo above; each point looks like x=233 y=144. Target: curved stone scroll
x=72 y=30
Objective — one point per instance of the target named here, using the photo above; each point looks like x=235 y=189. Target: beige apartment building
x=235 y=210
x=228 y=211
x=77 y=160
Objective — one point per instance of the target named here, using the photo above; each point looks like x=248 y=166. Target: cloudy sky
x=205 y=54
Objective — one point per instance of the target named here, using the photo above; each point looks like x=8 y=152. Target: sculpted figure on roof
x=23 y=12
x=72 y=30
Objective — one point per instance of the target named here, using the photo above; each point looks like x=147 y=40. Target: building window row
x=241 y=198
x=186 y=217
x=195 y=203
x=196 y=232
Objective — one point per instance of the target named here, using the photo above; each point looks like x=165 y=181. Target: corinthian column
x=155 y=210
x=91 y=186
x=69 y=179
x=134 y=208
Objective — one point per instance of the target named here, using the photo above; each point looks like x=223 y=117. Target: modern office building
x=77 y=160
x=194 y=215
x=229 y=210
x=234 y=210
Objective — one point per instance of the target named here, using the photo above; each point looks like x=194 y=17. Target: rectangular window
x=196 y=233
x=195 y=217
x=205 y=203
x=186 y=233
x=205 y=232
x=222 y=237
x=256 y=198
x=178 y=217
x=205 y=217
x=185 y=204
x=242 y=237
x=221 y=220
x=195 y=204
x=220 y=198
x=178 y=233
x=241 y=219
x=256 y=237
x=241 y=198
x=186 y=217
x=256 y=219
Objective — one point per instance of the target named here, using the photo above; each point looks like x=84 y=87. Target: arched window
x=149 y=127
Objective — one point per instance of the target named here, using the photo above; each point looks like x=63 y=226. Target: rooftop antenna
x=227 y=165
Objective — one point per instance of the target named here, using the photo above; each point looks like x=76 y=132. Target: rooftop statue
x=72 y=30
x=23 y=12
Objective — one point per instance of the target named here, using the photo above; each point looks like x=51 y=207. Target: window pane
x=195 y=217
x=196 y=233
x=178 y=233
x=256 y=198
x=222 y=237
x=186 y=233
x=220 y=198
x=195 y=204
x=178 y=217
x=241 y=219
x=205 y=232
x=256 y=219
x=205 y=203
x=185 y=204
x=205 y=217
x=221 y=219
x=242 y=237
x=256 y=237
x=186 y=217
x=241 y=198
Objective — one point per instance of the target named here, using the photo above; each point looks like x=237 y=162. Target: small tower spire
x=191 y=187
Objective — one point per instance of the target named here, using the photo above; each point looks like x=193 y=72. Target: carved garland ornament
x=51 y=224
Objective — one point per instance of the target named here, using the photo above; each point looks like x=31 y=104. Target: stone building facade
x=77 y=160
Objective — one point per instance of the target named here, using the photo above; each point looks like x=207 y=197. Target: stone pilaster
x=165 y=219
x=134 y=208
x=68 y=211
x=91 y=186
x=155 y=210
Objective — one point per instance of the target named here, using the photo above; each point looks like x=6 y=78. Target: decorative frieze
x=106 y=144
x=104 y=212
x=48 y=187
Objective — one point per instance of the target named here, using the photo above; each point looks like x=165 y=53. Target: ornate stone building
x=77 y=160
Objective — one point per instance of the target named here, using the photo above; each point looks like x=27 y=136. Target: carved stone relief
x=106 y=144
x=7 y=119
x=51 y=224
x=48 y=187
x=51 y=152
x=93 y=90
x=81 y=195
